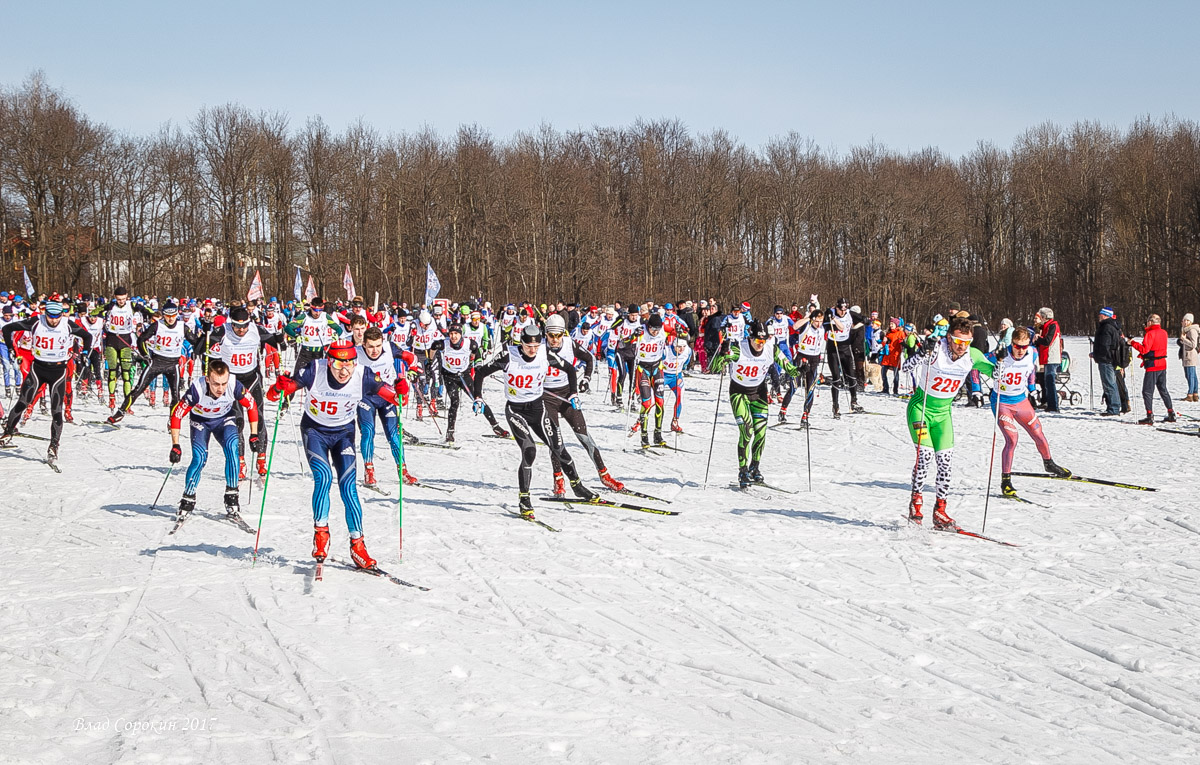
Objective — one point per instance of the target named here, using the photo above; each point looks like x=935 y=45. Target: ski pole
x=1091 y=385
x=713 y=438
x=266 y=483
x=160 y=488
x=400 y=490
x=995 y=427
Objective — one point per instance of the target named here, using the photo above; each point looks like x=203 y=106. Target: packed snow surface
x=755 y=627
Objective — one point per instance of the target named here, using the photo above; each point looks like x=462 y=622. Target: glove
x=254 y=442
x=574 y=402
x=1001 y=352
x=176 y=454
x=927 y=345
x=477 y=407
x=583 y=385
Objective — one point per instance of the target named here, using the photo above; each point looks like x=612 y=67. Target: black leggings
x=528 y=422
x=454 y=385
x=159 y=365
x=557 y=406
x=252 y=382
x=54 y=377
x=841 y=370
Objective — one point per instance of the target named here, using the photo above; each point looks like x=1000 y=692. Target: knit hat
x=1107 y=313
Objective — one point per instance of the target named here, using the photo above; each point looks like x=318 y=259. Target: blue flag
x=298 y=287
x=432 y=285
x=28 y=283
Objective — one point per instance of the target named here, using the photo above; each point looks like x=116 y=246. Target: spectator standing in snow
x=1106 y=352
x=1189 y=340
x=1153 y=350
x=1049 y=346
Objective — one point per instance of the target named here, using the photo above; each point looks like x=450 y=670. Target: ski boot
x=645 y=438
x=433 y=409
x=525 y=506
x=358 y=552
x=658 y=439
x=166 y=402
x=260 y=463
x=1147 y=420
x=942 y=521
x=68 y=416
x=100 y=394
x=115 y=418
x=743 y=478
x=320 y=542
x=635 y=427
x=754 y=474
x=914 y=508
x=500 y=432
x=44 y=409
x=233 y=510
x=675 y=425
x=1055 y=469
x=1170 y=416
x=857 y=408
x=410 y=439
x=1006 y=487
x=610 y=482
x=407 y=477
x=420 y=412
x=112 y=401
x=52 y=454
x=583 y=492
x=369 y=474
x=449 y=441
x=782 y=416
x=153 y=398
x=804 y=421
x=560 y=485
x=837 y=415
x=241 y=468
x=187 y=504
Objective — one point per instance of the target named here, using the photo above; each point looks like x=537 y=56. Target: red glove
x=283 y=384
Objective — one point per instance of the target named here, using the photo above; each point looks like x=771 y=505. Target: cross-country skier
x=839 y=322
x=162 y=341
x=457 y=355
x=118 y=316
x=389 y=364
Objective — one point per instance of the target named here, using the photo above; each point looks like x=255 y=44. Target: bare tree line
x=1074 y=218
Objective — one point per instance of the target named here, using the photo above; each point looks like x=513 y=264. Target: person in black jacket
x=1106 y=351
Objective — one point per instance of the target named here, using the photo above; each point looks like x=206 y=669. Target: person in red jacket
x=1153 y=351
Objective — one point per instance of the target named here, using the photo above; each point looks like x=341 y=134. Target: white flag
x=432 y=285
x=28 y=283
x=298 y=287
x=348 y=283
x=256 y=290
x=310 y=291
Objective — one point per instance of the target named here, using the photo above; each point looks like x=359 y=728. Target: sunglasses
x=960 y=340
x=340 y=364
x=1020 y=347
x=556 y=335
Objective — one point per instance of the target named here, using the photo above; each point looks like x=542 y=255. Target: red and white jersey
x=839 y=327
x=945 y=375
x=119 y=320
x=274 y=324
x=383 y=367
x=425 y=335
x=674 y=361
x=402 y=332
x=525 y=380
x=557 y=379
x=1016 y=374
x=334 y=407
x=52 y=344
x=316 y=333
x=240 y=353
x=456 y=360
x=208 y=408
x=94 y=326
x=627 y=328
x=167 y=341
x=749 y=370
x=737 y=327
x=811 y=340
x=650 y=347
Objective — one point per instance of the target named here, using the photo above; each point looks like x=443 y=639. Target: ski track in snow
x=756 y=627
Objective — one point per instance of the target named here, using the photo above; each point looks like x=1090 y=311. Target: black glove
x=176 y=454
x=583 y=385
x=927 y=346
x=1001 y=352
x=255 y=442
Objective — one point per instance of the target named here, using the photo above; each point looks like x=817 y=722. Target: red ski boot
x=419 y=411
x=358 y=551
x=320 y=542
x=261 y=464
x=369 y=474
x=914 y=508
x=409 y=480
x=241 y=468
x=153 y=399
x=941 y=521
x=560 y=485
x=610 y=482
x=675 y=426
x=112 y=401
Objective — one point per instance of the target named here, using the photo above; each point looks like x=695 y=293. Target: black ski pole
x=713 y=438
x=160 y=488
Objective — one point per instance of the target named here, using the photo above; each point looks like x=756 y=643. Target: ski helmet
x=555 y=323
x=342 y=350
x=756 y=331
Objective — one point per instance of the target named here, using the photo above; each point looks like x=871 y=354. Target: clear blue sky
x=909 y=75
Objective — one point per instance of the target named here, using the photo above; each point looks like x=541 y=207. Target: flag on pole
x=256 y=290
x=310 y=291
x=432 y=285
x=28 y=283
x=348 y=283
x=298 y=287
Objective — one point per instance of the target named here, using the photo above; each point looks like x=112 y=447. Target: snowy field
x=752 y=628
